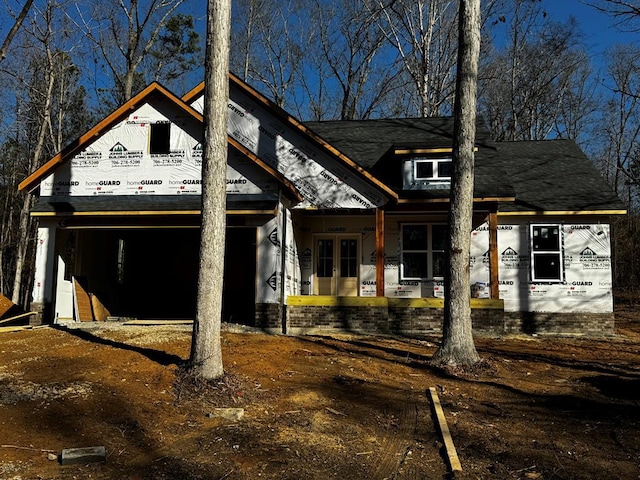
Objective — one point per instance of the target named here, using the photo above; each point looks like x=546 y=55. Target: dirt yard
x=317 y=407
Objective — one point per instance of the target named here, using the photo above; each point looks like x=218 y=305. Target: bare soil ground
x=318 y=407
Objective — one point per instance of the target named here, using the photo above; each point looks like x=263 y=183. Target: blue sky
x=598 y=28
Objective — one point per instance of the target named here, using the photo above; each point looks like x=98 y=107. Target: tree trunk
x=457 y=346
x=206 y=350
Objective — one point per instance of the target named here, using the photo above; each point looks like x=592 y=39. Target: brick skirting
x=407 y=317
x=422 y=317
x=589 y=324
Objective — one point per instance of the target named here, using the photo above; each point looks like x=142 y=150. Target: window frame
x=546 y=252
x=435 y=162
x=429 y=251
x=159 y=144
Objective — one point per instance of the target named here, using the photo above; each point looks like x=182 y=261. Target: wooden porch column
x=379 y=252
x=493 y=255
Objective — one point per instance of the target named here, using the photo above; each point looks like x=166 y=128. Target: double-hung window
x=546 y=253
x=423 y=251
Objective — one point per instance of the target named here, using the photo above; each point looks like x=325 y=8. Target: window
x=349 y=258
x=324 y=267
x=546 y=253
x=423 y=251
x=160 y=136
x=434 y=169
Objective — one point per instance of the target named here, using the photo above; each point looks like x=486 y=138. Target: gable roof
x=363 y=172
x=372 y=143
x=555 y=176
x=153 y=91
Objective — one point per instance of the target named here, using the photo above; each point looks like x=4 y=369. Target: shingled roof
x=555 y=175
x=543 y=176
x=371 y=143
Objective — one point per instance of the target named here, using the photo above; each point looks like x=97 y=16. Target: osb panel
x=5 y=305
x=84 y=311
x=99 y=310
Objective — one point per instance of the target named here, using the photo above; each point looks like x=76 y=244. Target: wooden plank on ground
x=17 y=317
x=450 y=449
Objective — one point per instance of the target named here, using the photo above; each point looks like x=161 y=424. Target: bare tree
x=14 y=29
x=49 y=67
x=206 y=349
x=272 y=38
x=125 y=32
x=540 y=83
x=625 y=12
x=457 y=346
x=354 y=64
x=424 y=34
x=620 y=155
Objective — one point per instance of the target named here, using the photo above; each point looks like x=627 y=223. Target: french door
x=336 y=265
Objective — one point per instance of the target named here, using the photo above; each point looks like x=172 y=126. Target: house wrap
x=330 y=225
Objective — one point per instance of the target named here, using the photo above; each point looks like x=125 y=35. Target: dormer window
x=427 y=172
x=433 y=169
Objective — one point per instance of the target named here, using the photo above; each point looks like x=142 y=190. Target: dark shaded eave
x=555 y=177
x=144 y=205
x=33 y=181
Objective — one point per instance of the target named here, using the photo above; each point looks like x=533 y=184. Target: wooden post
x=493 y=255
x=379 y=252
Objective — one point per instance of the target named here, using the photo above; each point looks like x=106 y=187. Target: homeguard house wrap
x=337 y=224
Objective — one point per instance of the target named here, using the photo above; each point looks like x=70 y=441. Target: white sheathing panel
x=119 y=163
x=324 y=181
x=479 y=273
x=64 y=294
x=587 y=270
x=43 y=278
x=267 y=275
x=292 y=260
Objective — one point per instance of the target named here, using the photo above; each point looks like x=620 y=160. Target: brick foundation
x=588 y=324
x=424 y=317
x=269 y=317
x=39 y=318
x=406 y=317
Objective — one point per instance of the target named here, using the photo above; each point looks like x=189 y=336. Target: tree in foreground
x=457 y=348
x=206 y=350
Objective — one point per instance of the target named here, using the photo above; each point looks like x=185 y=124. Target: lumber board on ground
x=450 y=449
x=17 y=317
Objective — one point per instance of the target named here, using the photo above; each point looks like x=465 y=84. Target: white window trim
x=434 y=162
x=428 y=250
x=560 y=253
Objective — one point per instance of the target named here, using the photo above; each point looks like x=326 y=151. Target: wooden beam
x=493 y=255
x=379 y=252
x=450 y=449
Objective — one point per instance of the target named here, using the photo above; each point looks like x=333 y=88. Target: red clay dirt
x=318 y=407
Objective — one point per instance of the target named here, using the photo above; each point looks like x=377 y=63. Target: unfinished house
x=330 y=225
